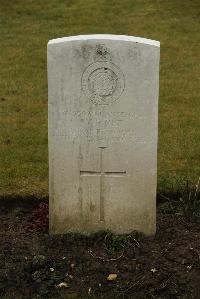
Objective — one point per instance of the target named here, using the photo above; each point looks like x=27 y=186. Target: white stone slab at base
x=103 y=114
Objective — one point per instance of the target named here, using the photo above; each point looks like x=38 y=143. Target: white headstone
x=103 y=112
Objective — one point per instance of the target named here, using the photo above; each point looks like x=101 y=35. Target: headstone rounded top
x=125 y=38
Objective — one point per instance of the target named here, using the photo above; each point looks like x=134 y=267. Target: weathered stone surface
x=103 y=109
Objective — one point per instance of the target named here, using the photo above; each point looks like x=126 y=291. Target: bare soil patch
x=33 y=263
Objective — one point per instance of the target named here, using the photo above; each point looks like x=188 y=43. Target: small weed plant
x=119 y=244
x=45 y=274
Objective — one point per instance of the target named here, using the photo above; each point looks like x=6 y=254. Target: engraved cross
x=102 y=174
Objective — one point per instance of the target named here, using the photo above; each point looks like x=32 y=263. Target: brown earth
x=33 y=264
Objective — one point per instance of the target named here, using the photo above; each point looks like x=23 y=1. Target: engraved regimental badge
x=103 y=82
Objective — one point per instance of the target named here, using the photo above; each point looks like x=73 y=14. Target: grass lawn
x=25 y=28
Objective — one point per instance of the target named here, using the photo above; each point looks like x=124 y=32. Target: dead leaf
x=89 y=291
x=112 y=276
x=63 y=285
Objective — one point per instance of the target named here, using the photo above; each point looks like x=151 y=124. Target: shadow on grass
x=31 y=201
x=20 y=201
